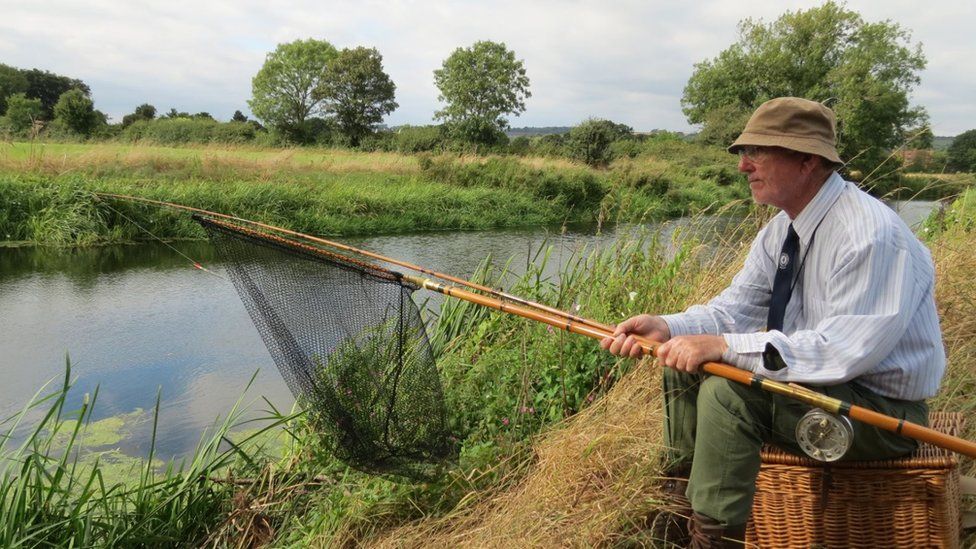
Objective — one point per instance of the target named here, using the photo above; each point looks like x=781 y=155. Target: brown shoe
x=707 y=533
x=669 y=523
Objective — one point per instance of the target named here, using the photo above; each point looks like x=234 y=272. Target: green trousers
x=719 y=426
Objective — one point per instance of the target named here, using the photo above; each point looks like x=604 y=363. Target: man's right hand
x=623 y=343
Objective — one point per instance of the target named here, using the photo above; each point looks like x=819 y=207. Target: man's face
x=774 y=175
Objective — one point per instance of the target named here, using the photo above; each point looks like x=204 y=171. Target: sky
x=627 y=61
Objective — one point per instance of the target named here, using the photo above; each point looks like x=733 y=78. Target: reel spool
x=824 y=436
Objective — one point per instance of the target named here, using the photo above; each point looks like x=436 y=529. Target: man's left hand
x=688 y=353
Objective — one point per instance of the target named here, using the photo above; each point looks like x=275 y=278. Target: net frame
x=349 y=341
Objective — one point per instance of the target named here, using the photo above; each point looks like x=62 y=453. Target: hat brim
x=793 y=143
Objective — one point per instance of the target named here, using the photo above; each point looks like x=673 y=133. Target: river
x=139 y=319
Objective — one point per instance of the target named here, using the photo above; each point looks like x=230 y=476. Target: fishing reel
x=824 y=436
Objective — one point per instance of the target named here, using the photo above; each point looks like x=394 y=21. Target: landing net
x=349 y=342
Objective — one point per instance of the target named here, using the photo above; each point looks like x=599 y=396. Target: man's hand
x=688 y=353
x=623 y=343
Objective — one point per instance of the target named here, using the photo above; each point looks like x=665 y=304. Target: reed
x=52 y=494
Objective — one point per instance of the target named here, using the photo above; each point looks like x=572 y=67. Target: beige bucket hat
x=792 y=123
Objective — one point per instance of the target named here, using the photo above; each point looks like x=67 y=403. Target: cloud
x=626 y=60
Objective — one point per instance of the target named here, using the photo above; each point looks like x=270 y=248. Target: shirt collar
x=810 y=217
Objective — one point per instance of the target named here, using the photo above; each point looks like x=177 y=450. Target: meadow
x=47 y=189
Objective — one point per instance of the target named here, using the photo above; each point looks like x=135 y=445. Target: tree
x=142 y=112
x=357 y=91
x=865 y=71
x=283 y=91
x=962 y=153
x=589 y=142
x=76 y=112
x=22 y=113
x=48 y=87
x=12 y=80
x=238 y=117
x=173 y=113
x=481 y=85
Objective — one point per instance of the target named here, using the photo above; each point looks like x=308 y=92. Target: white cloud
x=623 y=60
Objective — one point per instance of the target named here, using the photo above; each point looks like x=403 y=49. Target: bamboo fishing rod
x=649 y=347
x=473 y=285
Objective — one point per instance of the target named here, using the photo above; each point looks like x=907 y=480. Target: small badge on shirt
x=784 y=260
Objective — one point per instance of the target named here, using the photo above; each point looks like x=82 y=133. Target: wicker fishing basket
x=908 y=502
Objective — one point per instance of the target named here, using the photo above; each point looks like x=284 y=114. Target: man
x=836 y=294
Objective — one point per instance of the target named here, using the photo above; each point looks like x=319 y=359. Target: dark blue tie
x=783 y=282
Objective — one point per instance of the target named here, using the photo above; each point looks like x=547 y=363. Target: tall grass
x=45 y=190
x=53 y=494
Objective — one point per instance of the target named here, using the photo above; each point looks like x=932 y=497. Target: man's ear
x=810 y=163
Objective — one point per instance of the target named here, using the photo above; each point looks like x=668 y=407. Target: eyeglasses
x=755 y=153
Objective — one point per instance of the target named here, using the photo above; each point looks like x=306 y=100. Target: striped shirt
x=863 y=305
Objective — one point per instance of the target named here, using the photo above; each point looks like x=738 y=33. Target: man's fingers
x=624 y=327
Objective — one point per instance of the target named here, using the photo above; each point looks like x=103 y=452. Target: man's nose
x=746 y=165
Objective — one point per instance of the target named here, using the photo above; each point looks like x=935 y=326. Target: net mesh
x=349 y=342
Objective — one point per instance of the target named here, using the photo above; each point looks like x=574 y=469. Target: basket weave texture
x=909 y=502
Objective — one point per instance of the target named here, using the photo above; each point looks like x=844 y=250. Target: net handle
x=466 y=283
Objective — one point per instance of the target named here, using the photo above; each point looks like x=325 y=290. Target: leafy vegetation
x=962 y=153
x=284 y=91
x=357 y=92
x=47 y=189
x=590 y=142
x=480 y=86
x=866 y=72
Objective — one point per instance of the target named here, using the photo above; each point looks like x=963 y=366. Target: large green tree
x=142 y=112
x=589 y=142
x=48 y=87
x=481 y=85
x=864 y=71
x=357 y=92
x=75 y=111
x=283 y=92
x=961 y=156
x=12 y=80
x=22 y=112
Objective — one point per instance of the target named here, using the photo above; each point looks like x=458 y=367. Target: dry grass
x=592 y=482
x=205 y=160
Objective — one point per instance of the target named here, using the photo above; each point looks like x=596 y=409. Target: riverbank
x=46 y=190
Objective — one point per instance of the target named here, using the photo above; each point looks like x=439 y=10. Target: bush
x=553 y=144
x=626 y=148
x=720 y=174
x=476 y=135
x=179 y=131
x=590 y=141
x=519 y=146
x=962 y=152
x=575 y=188
x=414 y=139
x=22 y=113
